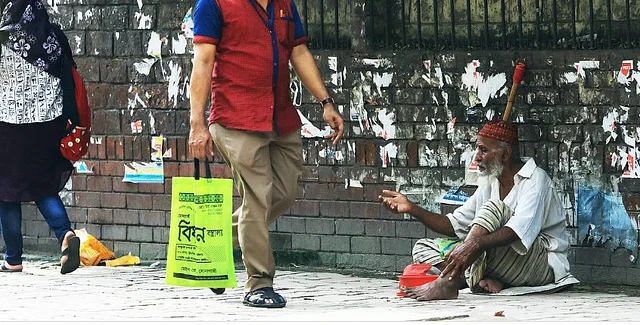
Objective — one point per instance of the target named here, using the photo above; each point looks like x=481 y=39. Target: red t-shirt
x=250 y=80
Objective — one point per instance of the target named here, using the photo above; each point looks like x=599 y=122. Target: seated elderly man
x=510 y=232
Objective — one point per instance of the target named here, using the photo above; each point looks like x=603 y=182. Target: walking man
x=242 y=53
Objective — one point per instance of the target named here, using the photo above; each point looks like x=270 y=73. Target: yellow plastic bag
x=125 y=260
x=200 y=252
x=92 y=251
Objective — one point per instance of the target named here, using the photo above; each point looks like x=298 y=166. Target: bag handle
x=196 y=169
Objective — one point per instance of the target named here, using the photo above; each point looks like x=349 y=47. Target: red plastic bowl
x=414 y=275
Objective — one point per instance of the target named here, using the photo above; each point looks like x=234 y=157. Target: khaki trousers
x=265 y=169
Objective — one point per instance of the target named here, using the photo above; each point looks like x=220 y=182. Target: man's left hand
x=332 y=116
x=461 y=257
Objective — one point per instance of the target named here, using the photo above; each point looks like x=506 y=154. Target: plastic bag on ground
x=125 y=260
x=92 y=251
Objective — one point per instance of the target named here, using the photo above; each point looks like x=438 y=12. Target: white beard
x=491 y=171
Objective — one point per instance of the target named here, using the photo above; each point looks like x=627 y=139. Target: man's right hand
x=395 y=202
x=200 y=143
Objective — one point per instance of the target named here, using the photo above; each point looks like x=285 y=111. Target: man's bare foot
x=440 y=289
x=490 y=285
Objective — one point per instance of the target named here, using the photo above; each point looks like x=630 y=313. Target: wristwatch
x=327 y=101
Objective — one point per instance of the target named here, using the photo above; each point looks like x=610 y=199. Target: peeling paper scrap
x=133 y=102
x=374 y=62
x=144 y=21
x=179 y=45
x=632 y=170
x=296 y=90
x=377 y=63
x=53 y=5
x=82 y=168
x=187 y=24
x=571 y=77
x=387 y=130
x=96 y=140
x=157 y=142
x=382 y=80
x=174 y=82
x=309 y=130
x=582 y=65
x=154 y=47
x=145 y=66
x=354 y=183
x=481 y=89
x=387 y=152
x=136 y=127
x=450 y=126
x=339 y=156
x=336 y=77
x=625 y=76
x=609 y=125
x=322 y=153
x=168 y=154
x=427 y=64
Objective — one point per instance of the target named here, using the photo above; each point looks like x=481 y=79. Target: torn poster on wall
x=436 y=79
x=173 y=88
x=625 y=75
x=387 y=152
x=336 y=77
x=479 y=89
x=187 y=24
x=603 y=220
x=179 y=42
x=348 y=183
x=586 y=64
x=308 y=130
x=627 y=157
x=147 y=172
x=144 y=20
x=387 y=130
x=378 y=63
x=295 y=86
x=154 y=48
x=82 y=168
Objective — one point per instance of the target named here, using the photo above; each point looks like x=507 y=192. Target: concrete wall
x=412 y=119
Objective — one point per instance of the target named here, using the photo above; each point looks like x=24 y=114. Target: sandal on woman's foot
x=5 y=268
x=217 y=291
x=265 y=298
x=73 y=255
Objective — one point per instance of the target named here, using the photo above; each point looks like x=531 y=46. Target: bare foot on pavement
x=491 y=285
x=439 y=289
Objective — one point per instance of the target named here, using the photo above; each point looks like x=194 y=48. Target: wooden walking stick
x=518 y=74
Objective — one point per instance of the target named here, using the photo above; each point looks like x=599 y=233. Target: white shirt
x=537 y=212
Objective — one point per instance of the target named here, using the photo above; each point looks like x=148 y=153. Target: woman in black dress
x=31 y=165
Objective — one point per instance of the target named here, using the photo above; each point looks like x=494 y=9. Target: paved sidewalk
x=41 y=293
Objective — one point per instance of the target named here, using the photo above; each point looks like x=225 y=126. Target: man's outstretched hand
x=395 y=202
